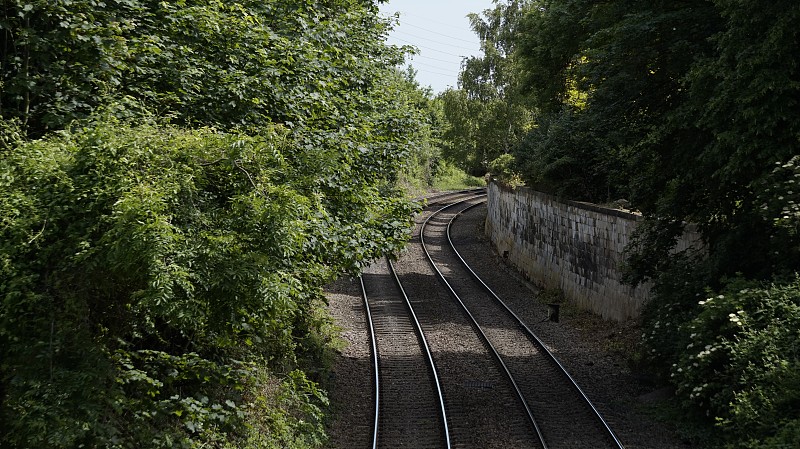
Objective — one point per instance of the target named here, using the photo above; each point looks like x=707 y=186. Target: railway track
x=453 y=368
x=409 y=408
x=562 y=414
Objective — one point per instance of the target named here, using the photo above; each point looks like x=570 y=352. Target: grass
x=452 y=178
x=448 y=178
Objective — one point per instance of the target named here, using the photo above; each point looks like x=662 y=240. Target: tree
x=604 y=75
x=713 y=162
x=199 y=62
x=485 y=117
x=164 y=237
x=690 y=110
x=60 y=58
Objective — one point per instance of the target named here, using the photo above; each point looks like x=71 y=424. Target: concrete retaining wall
x=572 y=246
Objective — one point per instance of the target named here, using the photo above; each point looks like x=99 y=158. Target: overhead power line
x=429 y=48
x=432 y=21
x=477 y=44
x=431 y=66
x=435 y=41
x=433 y=71
x=437 y=59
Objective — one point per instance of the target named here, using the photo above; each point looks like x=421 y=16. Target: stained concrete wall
x=575 y=247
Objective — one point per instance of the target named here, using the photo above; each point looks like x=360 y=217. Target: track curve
x=560 y=412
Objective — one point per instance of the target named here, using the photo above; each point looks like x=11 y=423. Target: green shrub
x=449 y=177
x=149 y=275
x=741 y=365
x=676 y=292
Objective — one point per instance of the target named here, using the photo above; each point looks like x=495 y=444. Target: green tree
x=690 y=110
x=650 y=101
x=604 y=76
x=226 y=64
x=58 y=59
x=165 y=235
x=460 y=136
x=486 y=117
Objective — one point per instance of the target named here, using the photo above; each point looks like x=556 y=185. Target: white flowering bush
x=677 y=292
x=741 y=365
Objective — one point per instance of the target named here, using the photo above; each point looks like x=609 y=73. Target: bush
x=150 y=275
x=676 y=292
x=741 y=363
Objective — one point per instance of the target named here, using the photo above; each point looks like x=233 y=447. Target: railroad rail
x=560 y=413
x=403 y=367
x=409 y=409
x=482 y=408
x=467 y=373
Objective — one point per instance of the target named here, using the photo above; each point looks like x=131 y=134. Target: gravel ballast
x=594 y=351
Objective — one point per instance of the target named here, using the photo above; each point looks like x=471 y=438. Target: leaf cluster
x=688 y=110
x=139 y=262
x=739 y=365
x=223 y=64
x=179 y=179
x=486 y=117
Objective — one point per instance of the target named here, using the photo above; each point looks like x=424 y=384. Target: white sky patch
x=440 y=30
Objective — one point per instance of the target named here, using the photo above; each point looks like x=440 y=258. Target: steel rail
x=477 y=326
x=449 y=193
x=374 y=345
x=437 y=199
x=530 y=333
x=374 y=363
x=429 y=356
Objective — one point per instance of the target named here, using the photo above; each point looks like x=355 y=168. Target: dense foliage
x=741 y=365
x=485 y=118
x=426 y=168
x=178 y=181
x=685 y=109
x=690 y=110
x=243 y=63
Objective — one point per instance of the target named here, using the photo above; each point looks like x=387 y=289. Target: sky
x=441 y=32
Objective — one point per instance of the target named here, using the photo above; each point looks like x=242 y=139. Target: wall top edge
x=579 y=204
